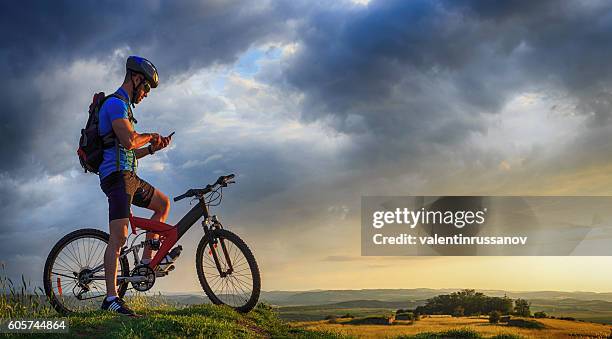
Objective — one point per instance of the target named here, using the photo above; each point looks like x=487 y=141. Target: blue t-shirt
x=115 y=108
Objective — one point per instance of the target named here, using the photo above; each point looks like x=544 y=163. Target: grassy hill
x=160 y=320
x=193 y=321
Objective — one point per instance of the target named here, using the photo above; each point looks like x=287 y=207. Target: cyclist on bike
x=118 y=178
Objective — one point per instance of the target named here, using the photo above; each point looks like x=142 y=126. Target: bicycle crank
x=145 y=278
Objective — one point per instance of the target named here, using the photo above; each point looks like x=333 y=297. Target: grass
x=462 y=327
x=457 y=333
x=194 y=321
x=315 y=313
x=161 y=319
x=18 y=302
x=526 y=323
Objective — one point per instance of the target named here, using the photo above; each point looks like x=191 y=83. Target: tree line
x=469 y=302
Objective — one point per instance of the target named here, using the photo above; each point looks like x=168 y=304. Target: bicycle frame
x=169 y=235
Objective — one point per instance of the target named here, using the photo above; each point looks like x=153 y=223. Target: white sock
x=109 y=299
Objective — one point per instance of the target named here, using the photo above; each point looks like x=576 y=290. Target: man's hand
x=156 y=139
x=160 y=142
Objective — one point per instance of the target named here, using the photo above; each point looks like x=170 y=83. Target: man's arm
x=129 y=138
x=163 y=143
x=141 y=152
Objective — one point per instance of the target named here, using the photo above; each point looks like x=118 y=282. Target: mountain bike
x=74 y=271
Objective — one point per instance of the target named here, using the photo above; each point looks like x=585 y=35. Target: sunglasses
x=146 y=87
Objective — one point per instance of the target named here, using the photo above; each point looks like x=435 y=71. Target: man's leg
x=119 y=187
x=160 y=205
x=118 y=235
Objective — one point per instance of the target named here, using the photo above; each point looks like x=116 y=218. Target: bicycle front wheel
x=227 y=271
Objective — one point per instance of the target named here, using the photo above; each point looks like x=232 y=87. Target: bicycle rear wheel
x=237 y=285
x=69 y=263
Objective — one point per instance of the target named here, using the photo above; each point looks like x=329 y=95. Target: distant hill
x=298 y=298
x=361 y=304
x=319 y=297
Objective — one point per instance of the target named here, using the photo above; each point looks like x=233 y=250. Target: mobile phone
x=171 y=134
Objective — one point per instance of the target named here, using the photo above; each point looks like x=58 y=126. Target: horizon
x=416 y=288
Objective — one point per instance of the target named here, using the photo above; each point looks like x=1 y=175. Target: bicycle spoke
x=238 y=284
x=96 y=252
x=72 y=257
x=236 y=254
x=100 y=256
x=88 y=256
x=64 y=275
x=63 y=265
x=243 y=289
x=78 y=255
x=243 y=270
x=218 y=284
x=77 y=251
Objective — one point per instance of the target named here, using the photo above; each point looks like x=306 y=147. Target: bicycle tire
x=52 y=257
x=248 y=255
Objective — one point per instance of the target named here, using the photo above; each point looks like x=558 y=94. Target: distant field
x=589 y=310
x=554 y=328
x=592 y=310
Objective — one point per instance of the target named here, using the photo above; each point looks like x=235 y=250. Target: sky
x=314 y=104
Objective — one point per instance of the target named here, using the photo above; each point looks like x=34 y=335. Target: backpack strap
x=125 y=100
x=133 y=120
x=109 y=139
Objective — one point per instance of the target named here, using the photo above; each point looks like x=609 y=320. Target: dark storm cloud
x=181 y=35
x=403 y=68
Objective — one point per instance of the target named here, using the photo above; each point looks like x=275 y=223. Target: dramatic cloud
x=425 y=72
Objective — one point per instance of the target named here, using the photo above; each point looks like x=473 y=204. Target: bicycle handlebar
x=221 y=181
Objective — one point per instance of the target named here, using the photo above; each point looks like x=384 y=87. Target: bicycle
x=226 y=267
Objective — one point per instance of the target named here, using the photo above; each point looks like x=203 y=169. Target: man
x=118 y=178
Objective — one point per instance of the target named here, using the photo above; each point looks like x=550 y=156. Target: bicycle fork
x=213 y=246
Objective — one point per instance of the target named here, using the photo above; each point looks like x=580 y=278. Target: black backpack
x=92 y=144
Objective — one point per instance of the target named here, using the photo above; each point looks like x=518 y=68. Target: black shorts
x=123 y=189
